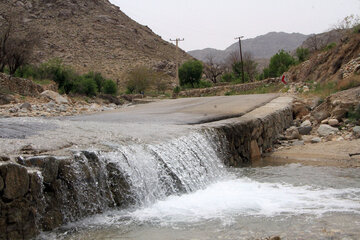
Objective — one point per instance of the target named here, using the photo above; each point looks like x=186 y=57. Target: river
x=291 y=201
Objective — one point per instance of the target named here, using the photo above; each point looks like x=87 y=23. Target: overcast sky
x=215 y=23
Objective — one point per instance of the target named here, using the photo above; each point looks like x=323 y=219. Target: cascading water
x=182 y=188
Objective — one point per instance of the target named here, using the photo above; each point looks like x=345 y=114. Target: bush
x=190 y=73
x=302 y=54
x=329 y=46
x=139 y=80
x=176 y=90
x=227 y=77
x=279 y=63
x=86 y=86
x=98 y=78
x=356 y=29
x=109 y=87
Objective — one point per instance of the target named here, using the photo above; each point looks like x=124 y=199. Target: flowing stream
x=182 y=190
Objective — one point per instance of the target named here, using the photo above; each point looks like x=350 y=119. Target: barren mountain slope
x=91 y=35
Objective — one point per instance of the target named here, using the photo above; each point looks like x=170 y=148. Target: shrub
x=227 y=77
x=139 y=80
x=329 y=46
x=356 y=29
x=84 y=85
x=302 y=54
x=190 y=73
x=176 y=90
x=279 y=63
x=109 y=87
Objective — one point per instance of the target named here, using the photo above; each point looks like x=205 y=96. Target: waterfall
x=140 y=174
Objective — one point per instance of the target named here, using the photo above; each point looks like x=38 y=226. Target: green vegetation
x=279 y=63
x=190 y=73
x=139 y=80
x=356 y=29
x=329 y=46
x=354 y=114
x=67 y=79
x=302 y=54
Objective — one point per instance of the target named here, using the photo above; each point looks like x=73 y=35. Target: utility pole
x=177 y=40
x=241 y=58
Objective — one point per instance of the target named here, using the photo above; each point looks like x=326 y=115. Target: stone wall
x=24 y=87
x=254 y=133
x=222 y=89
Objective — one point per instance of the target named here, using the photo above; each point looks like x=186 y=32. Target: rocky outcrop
x=24 y=87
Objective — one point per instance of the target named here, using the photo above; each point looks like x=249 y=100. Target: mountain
x=90 y=35
x=261 y=47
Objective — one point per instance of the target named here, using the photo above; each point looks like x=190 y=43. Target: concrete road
x=183 y=111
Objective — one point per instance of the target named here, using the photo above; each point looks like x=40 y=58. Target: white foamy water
x=227 y=199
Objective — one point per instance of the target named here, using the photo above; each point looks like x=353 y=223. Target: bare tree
x=15 y=47
x=4 y=37
x=212 y=69
x=250 y=66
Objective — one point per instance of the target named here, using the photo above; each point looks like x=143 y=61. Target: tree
x=212 y=69
x=139 y=79
x=302 y=54
x=250 y=66
x=190 y=73
x=15 y=47
x=280 y=63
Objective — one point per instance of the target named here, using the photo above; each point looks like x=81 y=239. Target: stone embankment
x=223 y=89
x=42 y=192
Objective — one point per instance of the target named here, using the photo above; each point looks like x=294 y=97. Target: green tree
x=109 y=87
x=302 y=54
x=190 y=73
x=280 y=63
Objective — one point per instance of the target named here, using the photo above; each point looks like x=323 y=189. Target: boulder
x=333 y=122
x=300 y=110
x=55 y=97
x=315 y=140
x=292 y=133
x=306 y=123
x=16 y=180
x=325 y=130
x=6 y=99
x=26 y=106
x=356 y=131
x=305 y=130
x=339 y=112
x=321 y=115
x=4 y=159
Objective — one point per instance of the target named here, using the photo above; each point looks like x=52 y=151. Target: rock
x=316 y=140
x=275 y=238
x=336 y=103
x=325 y=121
x=292 y=133
x=1 y=184
x=306 y=123
x=326 y=130
x=339 y=112
x=333 y=122
x=6 y=99
x=297 y=143
x=16 y=180
x=306 y=89
x=304 y=130
x=50 y=104
x=14 y=109
x=356 y=131
x=300 y=110
x=4 y=159
x=55 y=97
x=315 y=102
x=26 y=106
x=63 y=108
x=254 y=150
x=321 y=115
x=49 y=166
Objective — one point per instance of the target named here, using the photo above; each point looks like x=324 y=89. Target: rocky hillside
x=261 y=47
x=340 y=64
x=90 y=35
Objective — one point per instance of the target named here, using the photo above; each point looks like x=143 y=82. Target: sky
x=215 y=23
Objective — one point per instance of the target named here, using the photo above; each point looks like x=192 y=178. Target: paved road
x=183 y=111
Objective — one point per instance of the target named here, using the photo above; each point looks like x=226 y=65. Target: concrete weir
x=54 y=171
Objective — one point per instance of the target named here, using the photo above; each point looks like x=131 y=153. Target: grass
x=43 y=82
